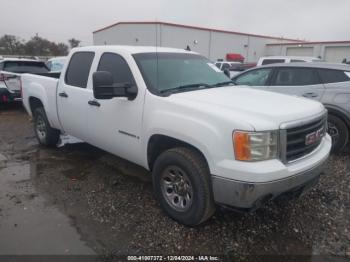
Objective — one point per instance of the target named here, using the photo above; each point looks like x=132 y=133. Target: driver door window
x=117 y=66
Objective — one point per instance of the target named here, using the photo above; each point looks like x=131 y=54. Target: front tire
x=339 y=132
x=45 y=134
x=182 y=185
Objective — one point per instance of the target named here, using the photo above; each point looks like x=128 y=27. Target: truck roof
x=132 y=49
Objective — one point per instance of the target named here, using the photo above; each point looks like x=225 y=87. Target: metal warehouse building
x=329 y=51
x=216 y=44
x=213 y=43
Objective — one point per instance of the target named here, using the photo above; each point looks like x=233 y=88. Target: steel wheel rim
x=333 y=131
x=177 y=188
x=40 y=128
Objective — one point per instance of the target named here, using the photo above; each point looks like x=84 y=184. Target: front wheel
x=45 y=134
x=339 y=133
x=182 y=185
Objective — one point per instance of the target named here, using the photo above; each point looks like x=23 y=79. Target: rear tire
x=182 y=185
x=339 y=132
x=45 y=134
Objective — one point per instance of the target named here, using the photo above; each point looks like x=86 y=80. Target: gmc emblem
x=314 y=137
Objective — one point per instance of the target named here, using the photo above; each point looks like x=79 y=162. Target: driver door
x=115 y=124
x=299 y=81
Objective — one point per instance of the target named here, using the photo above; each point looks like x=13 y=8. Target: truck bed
x=43 y=88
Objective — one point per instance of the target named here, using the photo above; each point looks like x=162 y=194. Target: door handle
x=63 y=94
x=311 y=94
x=94 y=103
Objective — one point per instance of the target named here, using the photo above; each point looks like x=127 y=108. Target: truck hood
x=263 y=110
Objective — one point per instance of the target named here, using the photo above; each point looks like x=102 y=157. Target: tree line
x=35 y=46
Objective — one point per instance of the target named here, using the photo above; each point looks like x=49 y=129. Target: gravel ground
x=110 y=203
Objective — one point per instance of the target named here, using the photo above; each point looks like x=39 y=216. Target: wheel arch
x=159 y=143
x=337 y=111
x=34 y=103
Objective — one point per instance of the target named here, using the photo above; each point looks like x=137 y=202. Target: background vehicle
x=239 y=68
x=174 y=113
x=56 y=64
x=267 y=60
x=10 y=70
x=233 y=67
x=327 y=83
x=222 y=65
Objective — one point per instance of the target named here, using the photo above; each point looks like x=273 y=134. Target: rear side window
x=225 y=66
x=254 y=78
x=333 y=76
x=117 y=66
x=25 y=67
x=296 y=61
x=79 y=69
x=272 y=61
x=296 y=77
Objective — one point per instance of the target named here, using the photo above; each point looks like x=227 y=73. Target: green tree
x=37 y=46
x=74 y=42
x=62 y=49
x=11 y=45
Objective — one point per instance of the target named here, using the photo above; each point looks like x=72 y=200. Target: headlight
x=255 y=146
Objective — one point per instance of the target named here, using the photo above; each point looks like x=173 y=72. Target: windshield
x=168 y=71
x=25 y=67
x=56 y=65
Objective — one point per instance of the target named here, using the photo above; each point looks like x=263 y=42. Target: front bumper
x=251 y=195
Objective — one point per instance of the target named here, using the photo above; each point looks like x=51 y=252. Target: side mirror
x=227 y=73
x=104 y=88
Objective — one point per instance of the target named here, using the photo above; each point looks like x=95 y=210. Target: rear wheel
x=182 y=185
x=339 y=133
x=45 y=134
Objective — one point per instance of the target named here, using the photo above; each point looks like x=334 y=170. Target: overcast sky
x=59 y=20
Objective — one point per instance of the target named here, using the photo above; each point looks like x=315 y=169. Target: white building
x=214 y=44
x=329 y=51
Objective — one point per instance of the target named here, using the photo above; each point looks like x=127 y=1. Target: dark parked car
x=10 y=69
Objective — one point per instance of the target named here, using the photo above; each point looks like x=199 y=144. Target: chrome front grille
x=303 y=139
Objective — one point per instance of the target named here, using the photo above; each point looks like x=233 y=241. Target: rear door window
x=333 y=76
x=272 y=61
x=225 y=66
x=257 y=77
x=296 y=77
x=79 y=69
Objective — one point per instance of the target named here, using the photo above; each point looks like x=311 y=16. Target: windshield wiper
x=224 y=83
x=191 y=87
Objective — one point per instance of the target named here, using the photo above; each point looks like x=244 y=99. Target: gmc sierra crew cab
x=173 y=112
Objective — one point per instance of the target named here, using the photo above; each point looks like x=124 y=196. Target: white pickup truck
x=174 y=113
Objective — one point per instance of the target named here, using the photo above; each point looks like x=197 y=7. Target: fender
x=211 y=141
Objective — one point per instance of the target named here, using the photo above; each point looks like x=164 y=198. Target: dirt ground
x=78 y=199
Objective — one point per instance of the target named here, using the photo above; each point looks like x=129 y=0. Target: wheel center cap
x=180 y=188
